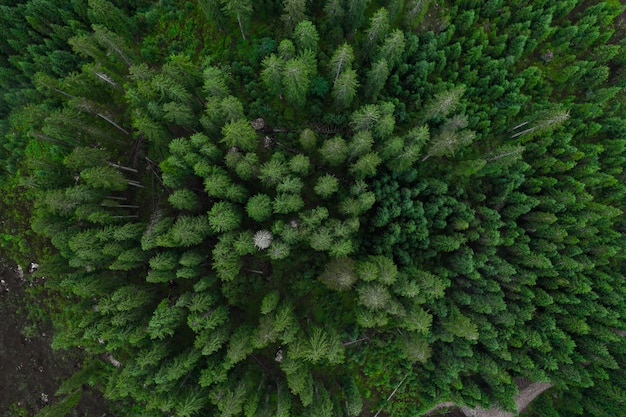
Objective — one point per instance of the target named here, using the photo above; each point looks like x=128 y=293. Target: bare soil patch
x=30 y=370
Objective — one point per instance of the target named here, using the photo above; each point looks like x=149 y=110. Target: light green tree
x=259 y=207
x=105 y=177
x=184 y=200
x=165 y=260
x=291 y=185
x=306 y=36
x=392 y=48
x=379 y=26
x=189 y=403
x=105 y=13
x=365 y=166
x=278 y=250
x=360 y=143
x=339 y=274
x=186 y=231
x=326 y=186
x=240 y=345
x=296 y=78
x=321 y=239
x=365 y=118
x=308 y=140
x=299 y=164
x=334 y=151
x=113 y=43
x=374 y=296
x=241 y=134
x=214 y=82
x=345 y=88
x=287 y=203
x=231 y=109
x=224 y=217
x=286 y=49
x=443 y=103
x=83 y=157
x=354 y=402
x=377 y=77
x=341 y=61
x=448 y=142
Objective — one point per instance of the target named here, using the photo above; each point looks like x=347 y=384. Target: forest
x=322 y=208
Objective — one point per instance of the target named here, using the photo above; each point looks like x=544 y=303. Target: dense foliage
x=359 y=208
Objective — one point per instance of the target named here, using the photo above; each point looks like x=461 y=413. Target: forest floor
x=30 y=370
x=526 y=396
x=528 y=392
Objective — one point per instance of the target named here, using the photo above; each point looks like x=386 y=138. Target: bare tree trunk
x=118 y=127
x=241 y=26
x=393 y=393
x=119 y=205
x=123 y=167
x=135 y=184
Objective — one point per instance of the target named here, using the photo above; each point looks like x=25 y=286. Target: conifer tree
x=241 y=10
x=296 y=78
x=293 y=13
x=306 y=35
x=420 y=221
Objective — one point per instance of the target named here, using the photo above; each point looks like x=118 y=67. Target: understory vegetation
x=328 y=208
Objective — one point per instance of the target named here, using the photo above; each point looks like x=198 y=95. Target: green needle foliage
x=365 y=208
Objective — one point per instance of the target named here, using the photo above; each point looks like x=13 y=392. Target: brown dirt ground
x=30 y=370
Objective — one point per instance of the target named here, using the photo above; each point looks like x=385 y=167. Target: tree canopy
x=360 y=208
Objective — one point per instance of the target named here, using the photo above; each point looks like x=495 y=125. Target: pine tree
x=114 y=43
x=392 y=48
x=259 y=207
x=287 y=203
x=326 y=186
x=184 y=200
x=293 y=13
x=339 y=274
x=272 y=73
x=379 y=26
x=239 y=346
x=296 y=78
x=306 y=35
x=444 y=103
x=241 y=134
x=366 y=117
x=374 y=296
x=292 y=185
x=415 y=348
x=308 y=140
x=240 y=10
x=104 y=177
x=104 y=13
x=334 y=151
x=377 y=77
x=341 y=61
x=85 y=157
x=187 y=231
x=164 y=321
x=345 y=88
x=365 y=166
x=224 y=217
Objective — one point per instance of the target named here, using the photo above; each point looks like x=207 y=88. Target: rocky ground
x=30 y=370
